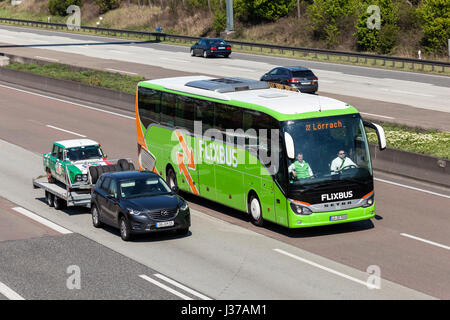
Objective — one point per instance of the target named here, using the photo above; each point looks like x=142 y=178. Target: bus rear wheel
x=254 y=209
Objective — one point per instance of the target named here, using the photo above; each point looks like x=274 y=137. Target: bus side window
x=168 y=103
x=204 y=112
x=149 y=103
x=230 y=119
x=184 y=113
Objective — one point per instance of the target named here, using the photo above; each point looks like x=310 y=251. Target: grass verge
x=429 y=142
x=114 y=81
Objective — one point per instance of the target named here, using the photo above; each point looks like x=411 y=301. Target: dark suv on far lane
x=138 y=202
x=208 y=47
x=300 y=78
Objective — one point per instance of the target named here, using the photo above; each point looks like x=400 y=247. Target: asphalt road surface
x=224 y=256
x=384 y=95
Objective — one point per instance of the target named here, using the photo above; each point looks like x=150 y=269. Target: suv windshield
x=328 y=150
x=84 y=153
x=143 y=187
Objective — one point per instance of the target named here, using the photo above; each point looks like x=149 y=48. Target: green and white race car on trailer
x=69 y=162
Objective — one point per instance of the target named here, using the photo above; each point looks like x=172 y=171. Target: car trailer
x=59 y=195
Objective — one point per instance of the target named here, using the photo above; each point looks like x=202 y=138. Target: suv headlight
x=368 y=201
x=183 y=206
x=300 y=209
x=135 y=212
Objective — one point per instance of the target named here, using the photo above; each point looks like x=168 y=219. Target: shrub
x=106 y=5
x=220 y=22
x=435 y=16
x=380 y=40
x=59 y=7
x=262 y=10
x=330 y=17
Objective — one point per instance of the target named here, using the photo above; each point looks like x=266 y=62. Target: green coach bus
x=295 y=159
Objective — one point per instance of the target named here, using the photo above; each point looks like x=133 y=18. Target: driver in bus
x=300 y=169
x=341 y=162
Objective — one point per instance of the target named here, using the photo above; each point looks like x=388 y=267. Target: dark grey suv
x=138 y=202
x=300 y=78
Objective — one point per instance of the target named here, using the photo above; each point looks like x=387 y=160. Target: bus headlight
x=300 y=210
x=368 y=201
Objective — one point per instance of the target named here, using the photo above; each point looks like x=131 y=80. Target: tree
x=263 y=10
x=435 y=16
x=381 y=39
x=59 y=7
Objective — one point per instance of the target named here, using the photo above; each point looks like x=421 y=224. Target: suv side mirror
x=380 y=133
x=174 y=189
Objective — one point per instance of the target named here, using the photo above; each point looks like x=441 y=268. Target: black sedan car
x=208 y=47
x=138 y=202
x=300 y=78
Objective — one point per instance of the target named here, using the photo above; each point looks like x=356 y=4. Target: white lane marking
x=63 y=130
x=408 y=92
x=376 y=115
x=176 y=284
x=322 y=267
x=413 y=188
x=41 y=220
x=69 y=102
x=9 y=293
x=45 y=58
x=173 y=59
x=121 y=71
x=237 y=68
x=163 y=286
x=426 y=241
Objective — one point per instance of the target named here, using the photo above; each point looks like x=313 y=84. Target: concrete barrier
x=409 y=164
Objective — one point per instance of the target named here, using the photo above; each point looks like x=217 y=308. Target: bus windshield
x=328 y=150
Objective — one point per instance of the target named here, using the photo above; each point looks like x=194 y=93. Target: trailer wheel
x=59 y=203
x=94 y=174
x=124 y=164
x=49 y=198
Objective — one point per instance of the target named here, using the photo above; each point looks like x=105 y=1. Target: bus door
x=204 y=148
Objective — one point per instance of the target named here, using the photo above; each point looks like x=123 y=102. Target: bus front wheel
x=254 y=208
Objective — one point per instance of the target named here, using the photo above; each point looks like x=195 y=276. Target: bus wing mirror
x=380 y=133
x=289 y=142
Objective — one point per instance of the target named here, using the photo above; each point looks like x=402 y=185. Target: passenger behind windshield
x=84 y=153
x=300 y=169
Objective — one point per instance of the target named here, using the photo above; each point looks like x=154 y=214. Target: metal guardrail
x=442 y=65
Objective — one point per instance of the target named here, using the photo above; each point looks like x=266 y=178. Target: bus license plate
x=337 y=218
x=165 y=224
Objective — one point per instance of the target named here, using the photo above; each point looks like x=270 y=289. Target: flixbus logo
x=218 y=153
x=337 y=196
